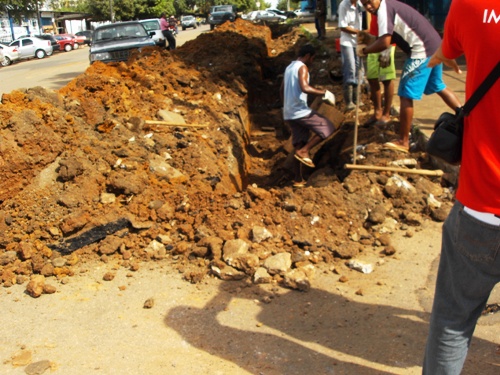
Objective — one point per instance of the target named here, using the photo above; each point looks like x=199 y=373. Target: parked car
x=153 y=28
x=10 y=54
x=86 y=34
x=52 y=39
x=188 y=21
x=283 y=13
x=65 y=43
x=115 y=41
x=270 y=17
x=221 y=13
x=77 y=40
x=32 y=47
x=304 y=13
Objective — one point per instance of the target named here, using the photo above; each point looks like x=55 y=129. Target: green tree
x=19 y=9
x=125 y=10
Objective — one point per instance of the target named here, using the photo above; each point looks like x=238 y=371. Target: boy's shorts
x=418 y=79
x=374 y=71
x=302 y=127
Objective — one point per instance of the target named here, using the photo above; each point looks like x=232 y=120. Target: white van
x=153 y=25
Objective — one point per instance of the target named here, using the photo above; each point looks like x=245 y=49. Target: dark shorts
x=316 y=123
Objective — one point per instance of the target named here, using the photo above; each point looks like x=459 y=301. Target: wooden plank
x=166 y=123
x=426 y=172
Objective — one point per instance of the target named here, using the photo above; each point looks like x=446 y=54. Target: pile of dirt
x=169 y=157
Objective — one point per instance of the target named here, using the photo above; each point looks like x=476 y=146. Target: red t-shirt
x=472 y=28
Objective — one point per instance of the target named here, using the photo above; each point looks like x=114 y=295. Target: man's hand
x=359 y=50
x=384 y=58
x=439 y=58
x=365 y=37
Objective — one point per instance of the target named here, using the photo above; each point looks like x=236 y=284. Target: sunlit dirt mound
x=183 y=157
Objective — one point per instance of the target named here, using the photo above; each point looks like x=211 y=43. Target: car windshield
x=224 y=8
x=151 y=25
x=120 y=32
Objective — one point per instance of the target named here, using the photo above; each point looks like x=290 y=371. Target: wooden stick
x=166 y=123
x=358 y=98
x=426 y=172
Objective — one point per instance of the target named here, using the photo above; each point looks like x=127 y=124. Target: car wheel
x=76 y=46
x=67 y=47
x=6 y=61
x=183 y=28
x=212 y=27
x=40 y=54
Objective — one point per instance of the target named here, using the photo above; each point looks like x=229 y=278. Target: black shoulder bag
x=445 y=142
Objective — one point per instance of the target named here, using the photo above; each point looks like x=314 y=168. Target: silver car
x=10 y=54
x=29 y=47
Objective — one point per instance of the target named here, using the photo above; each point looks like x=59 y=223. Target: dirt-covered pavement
x=149 y=224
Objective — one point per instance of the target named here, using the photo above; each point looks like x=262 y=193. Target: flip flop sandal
x=395 y=147
x=305 y=161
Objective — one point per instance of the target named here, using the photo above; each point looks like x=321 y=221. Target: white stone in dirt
x=278 y=264
x=432 y=202
x=156 y=250
x=388 y=226
x=297 y=279
x=360 y=266
x=261 y=276
x=260 y=234
x=108 y=198
x=233 y=249
x=163 y=170
x=171 y=117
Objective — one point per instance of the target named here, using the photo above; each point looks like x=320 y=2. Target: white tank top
x=295 y=105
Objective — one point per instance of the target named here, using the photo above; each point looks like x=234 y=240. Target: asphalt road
x=56 y=71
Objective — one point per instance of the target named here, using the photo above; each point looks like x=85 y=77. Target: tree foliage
x=19 y=9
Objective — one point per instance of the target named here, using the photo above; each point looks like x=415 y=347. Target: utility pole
x=111 y=13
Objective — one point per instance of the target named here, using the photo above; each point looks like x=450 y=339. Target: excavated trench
x=183 y=157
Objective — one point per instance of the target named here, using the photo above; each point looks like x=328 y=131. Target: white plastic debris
x=314 y=220
x=149 y=135
x=433 y=202
x=118 y=163
x=132 y=139
x=404 y=162
x=361 y=267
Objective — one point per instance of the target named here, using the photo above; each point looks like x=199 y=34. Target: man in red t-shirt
x=470 y=257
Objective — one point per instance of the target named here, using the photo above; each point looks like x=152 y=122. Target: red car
x=65 y=43
x=78 y=40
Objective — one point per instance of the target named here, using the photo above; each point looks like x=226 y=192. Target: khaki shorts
x=374 y=71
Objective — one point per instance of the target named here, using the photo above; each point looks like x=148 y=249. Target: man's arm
x=438 y=58
x=381 y=44
x=304 y=82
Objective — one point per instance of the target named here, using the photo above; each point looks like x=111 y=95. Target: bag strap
x=481 y=90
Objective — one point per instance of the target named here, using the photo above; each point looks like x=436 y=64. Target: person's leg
x=322 y=26
x=388 y=96
x=349 y=74
x=317 y=25
x=405 y=121
x=372 y=74
x=435 y=84
x=387 y=75
x=469 y=268
x=321 y=128
x=414 y=78
x=304 y=151
x=376 y=98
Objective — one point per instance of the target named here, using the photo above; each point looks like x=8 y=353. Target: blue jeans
x=469 y=268
x=350 y=65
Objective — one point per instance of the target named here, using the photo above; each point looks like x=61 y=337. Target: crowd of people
x=469 y=265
